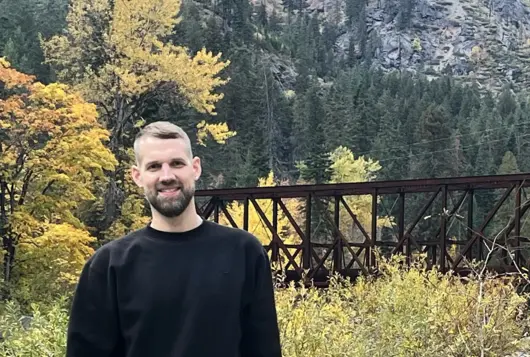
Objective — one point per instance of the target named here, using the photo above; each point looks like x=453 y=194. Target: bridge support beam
x=313 y=231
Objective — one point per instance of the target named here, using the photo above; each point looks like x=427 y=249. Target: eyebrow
x=179 y=159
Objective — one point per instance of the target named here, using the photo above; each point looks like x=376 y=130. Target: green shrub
x=41 y=335
x=405 y=312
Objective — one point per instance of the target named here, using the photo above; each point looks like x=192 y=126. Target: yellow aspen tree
x=52 y=155
x=119 y=50
x=346 y=168
x=116 y=53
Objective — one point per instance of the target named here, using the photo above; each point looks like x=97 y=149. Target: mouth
x=168 y=192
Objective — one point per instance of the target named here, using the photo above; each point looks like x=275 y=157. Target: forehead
x=155 y=149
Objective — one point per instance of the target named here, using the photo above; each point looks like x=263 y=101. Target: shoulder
x=105 y=255
x=249 y=242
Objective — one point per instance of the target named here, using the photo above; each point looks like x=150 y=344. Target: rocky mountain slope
x=485 y=40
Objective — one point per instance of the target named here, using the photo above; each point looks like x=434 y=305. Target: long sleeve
x=93 y=328
x=261 y=336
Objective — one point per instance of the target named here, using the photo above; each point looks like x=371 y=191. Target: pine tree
x=390 y=146
x=21 y=24
x=340 y=126
x=521 y=130
x=316 y=158
x=236 y=17
x=434 y=154
x=506 y=104
x=316 y=165
x=261 y=16
x=214 y=38
x=190 y=29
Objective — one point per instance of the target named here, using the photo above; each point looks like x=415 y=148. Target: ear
x=135 y=173
x=197 y=169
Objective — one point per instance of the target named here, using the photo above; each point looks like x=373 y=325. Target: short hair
x=161 y=130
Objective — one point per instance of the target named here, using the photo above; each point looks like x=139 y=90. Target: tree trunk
x=7 y=239
x=114 y=194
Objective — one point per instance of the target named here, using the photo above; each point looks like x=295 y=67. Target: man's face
x=167 y=173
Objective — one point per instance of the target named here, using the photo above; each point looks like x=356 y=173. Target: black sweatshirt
x=203 y=293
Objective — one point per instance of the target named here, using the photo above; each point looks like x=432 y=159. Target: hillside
x=308 y=76
x=484 y=41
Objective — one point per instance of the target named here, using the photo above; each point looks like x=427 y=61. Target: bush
x=404 y=312
x=42 y=334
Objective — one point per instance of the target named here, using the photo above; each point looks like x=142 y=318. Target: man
x=181 y=286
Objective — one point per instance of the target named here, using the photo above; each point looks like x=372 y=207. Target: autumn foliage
x=53 y=153
x=65 y=151
x=118 y=55
x=404 y=312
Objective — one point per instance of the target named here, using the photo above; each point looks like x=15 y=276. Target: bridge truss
x=317 y=230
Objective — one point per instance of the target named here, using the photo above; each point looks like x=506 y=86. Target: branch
x=21 y=160
x=25 y=186
x=43 y=193
x=3 y=212
x=105 y=108
x=47 y=187
x=12 y=197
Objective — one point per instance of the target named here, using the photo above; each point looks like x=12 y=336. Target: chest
x=200 y=278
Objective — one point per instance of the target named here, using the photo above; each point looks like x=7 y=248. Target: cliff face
x=485 y=40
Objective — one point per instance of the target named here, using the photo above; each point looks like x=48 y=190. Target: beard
x=171 y=207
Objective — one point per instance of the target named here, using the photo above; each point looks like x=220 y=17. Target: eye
x=177 y=163
x=153 y=166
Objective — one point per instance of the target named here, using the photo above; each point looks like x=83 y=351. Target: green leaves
x=38 y=333
x=405 y=312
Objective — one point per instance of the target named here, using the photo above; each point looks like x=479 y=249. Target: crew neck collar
x=191 y=234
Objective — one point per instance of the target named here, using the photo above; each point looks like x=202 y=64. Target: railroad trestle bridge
x=336 y=228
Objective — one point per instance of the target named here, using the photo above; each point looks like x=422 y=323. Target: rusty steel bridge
x=317 y=230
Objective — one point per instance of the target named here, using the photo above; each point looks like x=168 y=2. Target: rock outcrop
x=483 y=40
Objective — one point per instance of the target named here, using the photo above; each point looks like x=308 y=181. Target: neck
x=188 y=220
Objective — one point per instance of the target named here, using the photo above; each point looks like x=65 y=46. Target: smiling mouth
x=169 y=191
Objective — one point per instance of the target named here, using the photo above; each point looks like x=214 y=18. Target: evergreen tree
x=236 y=15
x=521 y=130
x=316 y=166
x=461 y=166
x=21 y=24
x=506 y=103
x=434 y=154
x=214 y=38
x=341 y=127
x=189 y=30
x=390 y=146
x=261 y=16
x=316 y=158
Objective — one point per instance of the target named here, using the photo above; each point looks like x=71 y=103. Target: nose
x=166 y=173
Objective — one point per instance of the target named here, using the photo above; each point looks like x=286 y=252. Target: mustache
x=169 y=184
